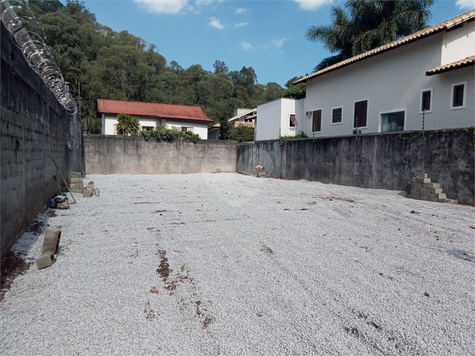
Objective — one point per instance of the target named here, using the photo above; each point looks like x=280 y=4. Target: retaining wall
x=381 y=161
x=34 y=128
x=133 y=155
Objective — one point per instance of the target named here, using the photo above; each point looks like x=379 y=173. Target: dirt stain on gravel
x=164 y=268
x=12 y=267
x=267 y=250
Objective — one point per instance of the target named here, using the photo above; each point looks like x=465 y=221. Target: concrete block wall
x=34 y=129
x=107 y=154
x=380 y=161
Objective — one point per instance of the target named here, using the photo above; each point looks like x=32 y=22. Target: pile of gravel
x=208 y=264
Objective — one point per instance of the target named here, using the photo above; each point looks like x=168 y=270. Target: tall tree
x=366 y=24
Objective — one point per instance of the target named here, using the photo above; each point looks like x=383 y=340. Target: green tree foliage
x=127 y=125
x=99 y=63
x=366 y=24
x=242 y=134
x=294 y=91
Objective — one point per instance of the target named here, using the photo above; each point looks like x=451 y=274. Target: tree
x=242 y=134
x=127 y=125
x=367 y=24
x=294 y=91
x=220 y=67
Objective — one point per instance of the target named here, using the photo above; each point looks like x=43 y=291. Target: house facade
x=421 y=81
x=152 y=115
x=281 y=117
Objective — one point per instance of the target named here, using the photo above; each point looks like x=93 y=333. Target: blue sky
x=268 y=35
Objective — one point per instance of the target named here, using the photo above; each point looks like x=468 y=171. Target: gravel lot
x=228 y=264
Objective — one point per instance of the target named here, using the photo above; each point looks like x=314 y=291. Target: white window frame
x=431 y=100
x=464 y=96
x=321 y=122
x=293 y=127
x=331 y=116
x=353 y=115
x=380 y=119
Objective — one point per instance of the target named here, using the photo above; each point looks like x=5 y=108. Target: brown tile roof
x=442 y=26
x=166 y=111
x=469 y=61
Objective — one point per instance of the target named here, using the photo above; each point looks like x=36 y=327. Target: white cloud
x=216 y=24
x=246 y=45
x=279 y=43
x=241 y=24
x=465 y=4
x=165 y=6
x=240 y=11
x=312 y=4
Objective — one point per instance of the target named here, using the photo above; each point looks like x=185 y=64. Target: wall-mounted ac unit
x=308 y=113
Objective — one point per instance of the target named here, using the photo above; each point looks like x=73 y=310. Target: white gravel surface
x=246 y=266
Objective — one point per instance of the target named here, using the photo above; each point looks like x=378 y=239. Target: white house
x=244 y=117
x=422 y=80
x=152 y=115
x=281 y=117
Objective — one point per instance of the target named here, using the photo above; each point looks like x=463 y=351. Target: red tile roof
x=469 y=61
x=165 y=111
x=442 y=26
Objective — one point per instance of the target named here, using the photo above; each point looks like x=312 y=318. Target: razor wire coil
x=29 y=36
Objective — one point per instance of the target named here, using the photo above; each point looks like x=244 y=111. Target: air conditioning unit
x=308 y=113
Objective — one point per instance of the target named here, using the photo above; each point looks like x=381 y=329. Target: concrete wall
x=133 y=155
x=381 y=161
x=34 y=129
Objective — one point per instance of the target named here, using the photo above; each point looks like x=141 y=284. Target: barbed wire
x=29 y=36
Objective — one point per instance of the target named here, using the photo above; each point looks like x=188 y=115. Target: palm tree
x=367 y=24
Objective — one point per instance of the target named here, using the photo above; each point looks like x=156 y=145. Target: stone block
x=87 y=193
x=76 y=185
x=97 y=193
x=441 y=196
x=75 y=180
x=50 y=248
x=421 y=175
x=436 y=190
x=75 y=175
x=452 y=201
x=442 y=200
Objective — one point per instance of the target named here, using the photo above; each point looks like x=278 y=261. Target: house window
x=337 y=115
x=317 y=121
x=186 y=129
x=147 y=128
x=293 y=120
x=426 y=100
x=458 y=96
x=393 y=121
x=360 y=114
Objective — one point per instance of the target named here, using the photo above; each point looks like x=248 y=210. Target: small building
x=279 y=118
x=244 y=117
x=152 y=115
x=421 y=81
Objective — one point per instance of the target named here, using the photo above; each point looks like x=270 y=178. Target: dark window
x=336 y=115
x=457 y=99
x=317 y=121
x=184 y=129
x=393 y=121
x=426 y=96
x=147 y=128
x=361 y=113
x=293 y=120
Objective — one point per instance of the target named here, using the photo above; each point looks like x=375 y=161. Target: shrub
x=127 y=125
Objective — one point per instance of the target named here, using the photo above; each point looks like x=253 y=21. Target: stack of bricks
x=75 y=182
x=423 y=189
x=89 y=191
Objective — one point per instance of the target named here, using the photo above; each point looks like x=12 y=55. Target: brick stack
x=89 y=191
x=75 y=182
x=423 y=189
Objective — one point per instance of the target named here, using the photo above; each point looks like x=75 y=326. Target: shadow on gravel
x=13 y=265
x=462 y=254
